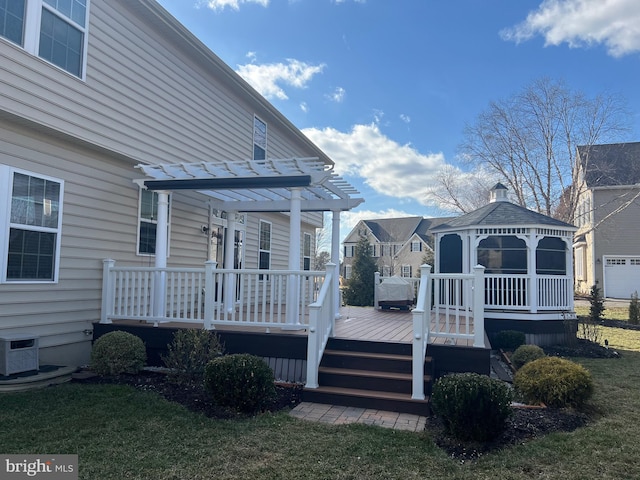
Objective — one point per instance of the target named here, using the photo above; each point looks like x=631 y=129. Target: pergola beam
x=230 y=183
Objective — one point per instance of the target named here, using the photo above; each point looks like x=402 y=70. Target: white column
x=532 y=245
x=230 y=278
x=162 y=242
x=335 y=258
x=293 y=300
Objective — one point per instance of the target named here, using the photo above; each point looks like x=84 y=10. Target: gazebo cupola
x=527 y=258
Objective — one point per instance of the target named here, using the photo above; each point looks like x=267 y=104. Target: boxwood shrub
x=525 y=354
x=554 y=381
x=240 y=381
x=190 y=352
x=509 y=340
x=118 y=352
x=472 y=406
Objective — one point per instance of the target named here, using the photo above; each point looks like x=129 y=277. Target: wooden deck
x=356 y=323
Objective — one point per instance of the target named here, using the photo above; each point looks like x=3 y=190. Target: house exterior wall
x=153 y=94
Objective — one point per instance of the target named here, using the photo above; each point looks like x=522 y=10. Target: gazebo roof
x=256 y=185
x=501 y=214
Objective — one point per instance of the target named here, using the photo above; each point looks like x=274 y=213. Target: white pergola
x=291 y=185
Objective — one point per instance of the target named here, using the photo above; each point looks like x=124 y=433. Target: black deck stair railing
x=366 y=374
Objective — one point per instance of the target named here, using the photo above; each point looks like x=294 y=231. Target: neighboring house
x=607 y=245
x=528 y=265
x=98 y=94
x=399 y=245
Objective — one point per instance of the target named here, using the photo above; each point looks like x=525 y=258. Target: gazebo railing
x=521 y=292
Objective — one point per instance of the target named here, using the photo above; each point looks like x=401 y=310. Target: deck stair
x=369 y=375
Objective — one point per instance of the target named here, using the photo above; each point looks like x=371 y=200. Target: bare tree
x=529 y=141
x=461 y=192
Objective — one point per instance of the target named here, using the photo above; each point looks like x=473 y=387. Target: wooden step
x=360 y=360
x=368 y=379
x=378 y=400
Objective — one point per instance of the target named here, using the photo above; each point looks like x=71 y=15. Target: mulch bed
x=525 y=424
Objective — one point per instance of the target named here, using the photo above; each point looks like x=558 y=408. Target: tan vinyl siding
x=144 y=95
x=99 y=221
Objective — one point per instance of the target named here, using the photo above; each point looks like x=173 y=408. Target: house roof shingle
x=610 y=164
x=501 y=213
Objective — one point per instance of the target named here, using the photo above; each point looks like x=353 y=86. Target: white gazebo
x=528 y=265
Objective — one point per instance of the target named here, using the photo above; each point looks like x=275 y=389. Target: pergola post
x=335 y=259
x=229 y=278
x=162 y=241
x=293 y=300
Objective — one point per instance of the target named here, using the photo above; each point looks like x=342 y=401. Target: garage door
x=621 y=276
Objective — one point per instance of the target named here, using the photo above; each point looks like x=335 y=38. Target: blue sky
x=386 y=87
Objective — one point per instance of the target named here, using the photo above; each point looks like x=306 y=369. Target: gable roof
x=610 y=164
x=400 y=230
x=501 y=213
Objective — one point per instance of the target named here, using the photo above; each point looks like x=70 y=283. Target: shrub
x=118 y=352
x=509 y=340
x=555 y=381
x=472 y=406
x=634 y=309
x=190 y=352
x=241 y=381
x=525 y=354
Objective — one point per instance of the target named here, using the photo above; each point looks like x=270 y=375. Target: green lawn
x=120 y=433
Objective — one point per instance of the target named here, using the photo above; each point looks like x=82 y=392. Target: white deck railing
x=321 y=325
x=449 y=306
x=208 y=296
x=520 y=292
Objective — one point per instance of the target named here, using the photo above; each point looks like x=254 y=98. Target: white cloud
x=304 y=107
x=386 y=166
x=267 y=78
x=405 y=118
x=337 y=95
x=218 y=5
x=614 y=23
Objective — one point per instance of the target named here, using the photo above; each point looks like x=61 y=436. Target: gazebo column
x=293 y=289
x=230 y=278
x=532 y=245
x=162 y=241
x=335 y=258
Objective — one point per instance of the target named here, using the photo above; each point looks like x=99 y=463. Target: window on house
x=35 y=222
x=580 y=261
x=349 y=251
x=374 y=250
x=264 y=246
x=306 y=252
x=12 y=20
x=347 y=272
x=259 y=139
x=386 y=271
x=416 y=246
x=503 y=255
x=406 y=271
x=55 y=30
x=551 y=257
x=148 y=222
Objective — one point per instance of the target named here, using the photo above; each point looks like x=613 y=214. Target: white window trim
x=31 y=33
x=304 y=255
x=260 y=250
x=155 y=222
x=347 y=272
x=266 y=137
x=6 y=185
x=403 y=271
x=416 y=243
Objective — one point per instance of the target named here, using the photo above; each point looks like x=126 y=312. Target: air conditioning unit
x=18 y=353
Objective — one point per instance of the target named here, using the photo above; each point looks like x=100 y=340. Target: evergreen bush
x=359 y=289
x=240 y=381
x=634 y=310
x=554 y=381
x=116 y=353
x=525 y=354
x=509 y=340
x=472 y=406
x=190 y=352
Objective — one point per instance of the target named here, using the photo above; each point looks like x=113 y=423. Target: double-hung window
x=259 y=139
x=54 y=30
x=264 y=246
x=306 y=252
x=148 y=222
x=33 y=224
